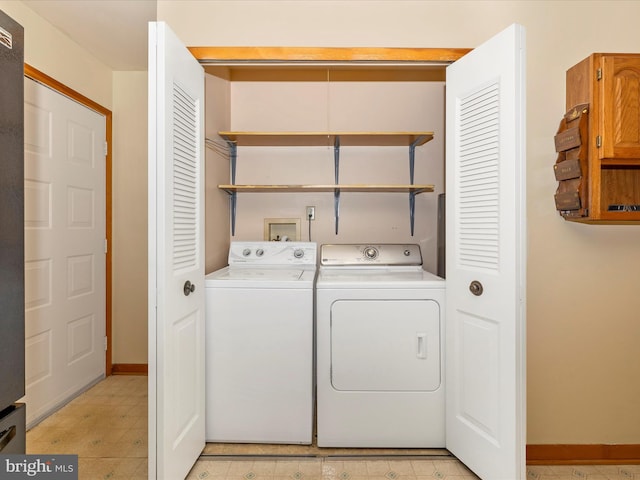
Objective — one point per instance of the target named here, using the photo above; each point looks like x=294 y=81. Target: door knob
x=188 y=288
x=476 y=288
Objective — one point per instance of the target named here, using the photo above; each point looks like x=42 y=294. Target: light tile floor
x=329 y=468
x=107 y=427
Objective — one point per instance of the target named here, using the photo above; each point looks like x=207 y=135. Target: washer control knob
x=298 y=253
x=370 y=253
x=407 y=253
x=246 y=252
x=259 y=252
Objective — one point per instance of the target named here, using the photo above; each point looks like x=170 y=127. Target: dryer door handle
x=421 y=345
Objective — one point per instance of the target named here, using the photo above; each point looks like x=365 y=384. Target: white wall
x=217 y=118
x=583 y=328
x=129 y=190
x=52 y=52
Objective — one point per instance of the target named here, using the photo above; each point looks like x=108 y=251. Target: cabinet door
x=620 y=100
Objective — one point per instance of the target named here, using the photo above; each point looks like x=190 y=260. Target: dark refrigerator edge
x=12 y=296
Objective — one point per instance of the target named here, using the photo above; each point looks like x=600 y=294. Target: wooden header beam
x=326 y=54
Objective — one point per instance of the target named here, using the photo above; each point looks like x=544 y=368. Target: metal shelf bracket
x=336 y=192
x=412 y=159
x=233 y=157
x=412 y=195
x=412 y=210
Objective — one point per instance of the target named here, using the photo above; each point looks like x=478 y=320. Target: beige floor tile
x=209 y=469
x=310 y=467
x=285 y=468
x=97 y=468
x=535 y=471
x=450 y=468
x=264 y=468
x=377 y=468
x=401 y=467
x=336 y=470
x=129 y=467
x=356 y=467
x=423 y=467
x=239 y=468
x=344 y=470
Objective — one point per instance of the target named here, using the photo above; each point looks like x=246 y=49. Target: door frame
x=41 y=77
x=317 y=58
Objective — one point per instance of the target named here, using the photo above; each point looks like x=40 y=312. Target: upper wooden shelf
x=358 y=139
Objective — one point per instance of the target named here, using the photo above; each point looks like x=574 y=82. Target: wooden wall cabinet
x=609 y=85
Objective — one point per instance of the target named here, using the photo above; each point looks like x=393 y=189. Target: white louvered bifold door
x=486 y=258
x=176 y=256
x=186 y=173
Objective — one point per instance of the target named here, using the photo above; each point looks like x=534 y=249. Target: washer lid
x=240 y=277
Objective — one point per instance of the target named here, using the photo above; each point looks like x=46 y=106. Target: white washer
x=259 y=344
x=380 y=352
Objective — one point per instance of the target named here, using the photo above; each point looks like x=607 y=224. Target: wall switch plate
x=311 y=213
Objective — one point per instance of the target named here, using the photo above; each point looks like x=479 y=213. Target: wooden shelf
x=346 y=139
x=336 y=140
x=611 y=218
x=415 y=189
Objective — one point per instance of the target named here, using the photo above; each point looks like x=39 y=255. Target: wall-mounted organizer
x=335 y=140
x=571 y=168
x=601 y=133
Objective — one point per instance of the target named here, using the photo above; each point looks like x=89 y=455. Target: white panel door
x=64 y=248
x=176 y=256
x=486 y=257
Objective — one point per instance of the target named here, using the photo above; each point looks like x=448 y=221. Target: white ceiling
x=114 y=31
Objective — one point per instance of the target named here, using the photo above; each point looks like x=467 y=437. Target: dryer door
x=385 y=345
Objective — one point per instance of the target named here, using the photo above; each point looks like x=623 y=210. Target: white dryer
x=259 y=344
x=380 y=332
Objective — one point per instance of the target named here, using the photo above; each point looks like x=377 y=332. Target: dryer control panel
x=389 y=254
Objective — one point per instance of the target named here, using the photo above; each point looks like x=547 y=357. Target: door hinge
x=106 y=245
x=599 y=74
x=598 y=141
x=106 y=343
x=106 y=148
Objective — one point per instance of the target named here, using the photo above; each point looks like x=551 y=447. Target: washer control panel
x=272 y=253
x=391 y=254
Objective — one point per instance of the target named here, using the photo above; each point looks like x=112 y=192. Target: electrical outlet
x=311 y=213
